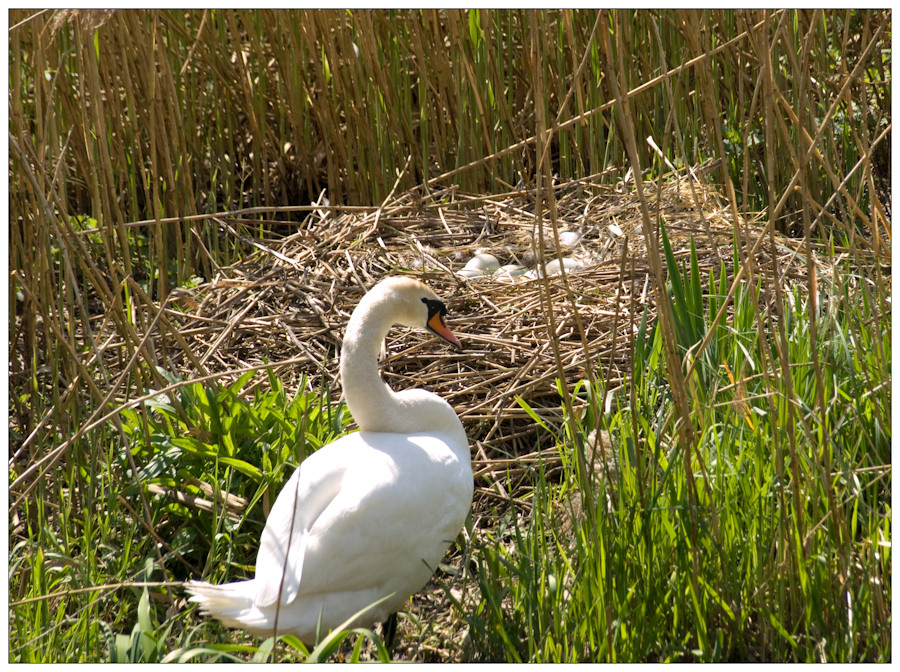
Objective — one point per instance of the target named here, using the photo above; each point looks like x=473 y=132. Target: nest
x=285 y=306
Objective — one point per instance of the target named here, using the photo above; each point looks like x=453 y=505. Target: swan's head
x=414 y=305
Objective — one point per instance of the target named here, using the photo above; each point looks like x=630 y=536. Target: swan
x=370 y=515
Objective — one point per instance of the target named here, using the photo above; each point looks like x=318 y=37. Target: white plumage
x=370 y=514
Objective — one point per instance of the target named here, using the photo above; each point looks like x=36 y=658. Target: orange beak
x=439 y=326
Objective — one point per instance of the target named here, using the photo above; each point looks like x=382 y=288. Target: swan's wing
x=399 y=504
x=307 y=493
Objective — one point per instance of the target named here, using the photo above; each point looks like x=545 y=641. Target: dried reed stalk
x=291 y=298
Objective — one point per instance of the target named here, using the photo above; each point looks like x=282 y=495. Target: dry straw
x=286 y=305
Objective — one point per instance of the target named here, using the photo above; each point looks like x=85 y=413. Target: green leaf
x=264 y=652
x=474 y=26
x=534 y=416
x=781 y=630
x=244 y=467
x=679 y=302
x=144 y=612
x=330 y=644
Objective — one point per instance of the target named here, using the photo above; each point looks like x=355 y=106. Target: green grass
x=718 y=563
x=105 y=528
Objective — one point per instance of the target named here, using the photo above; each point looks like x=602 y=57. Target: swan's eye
x=435 y=307
x=436 y=312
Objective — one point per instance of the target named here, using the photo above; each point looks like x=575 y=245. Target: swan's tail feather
x=231 y=603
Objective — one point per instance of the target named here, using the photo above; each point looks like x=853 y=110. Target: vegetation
x=759 y=545
x=730 y=500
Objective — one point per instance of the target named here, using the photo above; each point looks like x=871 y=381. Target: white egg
x=568 y=239
x=483 y=262
x=570 y=264
x=513 y=270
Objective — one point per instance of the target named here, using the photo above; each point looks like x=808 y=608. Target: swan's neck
x=364 y=390
x=374 y=406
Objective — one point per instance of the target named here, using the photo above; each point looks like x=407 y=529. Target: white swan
x=370 y=514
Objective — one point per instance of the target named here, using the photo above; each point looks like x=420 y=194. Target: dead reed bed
x=110 y=195
x=285 y=305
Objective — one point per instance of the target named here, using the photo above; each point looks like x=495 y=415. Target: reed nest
x=286 y=305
